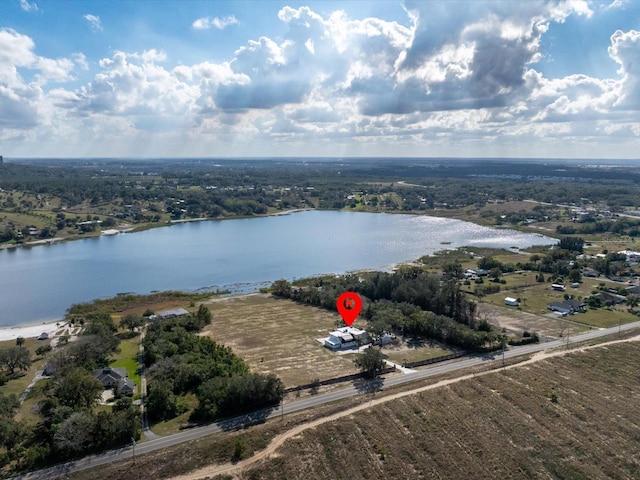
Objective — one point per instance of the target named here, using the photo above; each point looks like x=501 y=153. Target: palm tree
x=632 y=302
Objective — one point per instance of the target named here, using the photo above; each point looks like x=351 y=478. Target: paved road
x=309 y=402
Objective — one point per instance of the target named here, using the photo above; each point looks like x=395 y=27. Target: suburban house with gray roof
x=115 y=378
x=568 y=307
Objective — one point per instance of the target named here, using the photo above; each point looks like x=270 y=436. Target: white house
x=512 y=302
x=347 y=337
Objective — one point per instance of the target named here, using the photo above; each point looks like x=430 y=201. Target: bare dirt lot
x=571 y=417
x=279 y=336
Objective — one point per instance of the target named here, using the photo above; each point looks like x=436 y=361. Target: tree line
x=409 y=301
x=180 y=362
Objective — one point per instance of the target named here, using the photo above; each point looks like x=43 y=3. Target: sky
x=413 y=78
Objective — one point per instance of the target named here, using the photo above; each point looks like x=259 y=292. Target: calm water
x=40 y=283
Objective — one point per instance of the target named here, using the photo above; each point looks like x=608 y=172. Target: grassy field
x=278 y=336
x=281 y=337
x=572 y=417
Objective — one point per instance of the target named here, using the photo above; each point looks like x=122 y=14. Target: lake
x=40 y=283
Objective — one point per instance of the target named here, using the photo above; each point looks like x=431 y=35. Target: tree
x=453 y=269
x=573 y=244
x=224 y=396
x=487 y=263
x=15 y=358
x=377 y=328
x=281 y=288
x=131 y=321
x=203 y=315
x=370 y=362
x=77 y=388
x=575 y=275
x=75 y=434
x=161 y=403
x=20 y=341
x=42 y=349
x=632 y=301
x=495 y=274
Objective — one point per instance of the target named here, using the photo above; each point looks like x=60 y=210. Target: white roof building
x=347 y=337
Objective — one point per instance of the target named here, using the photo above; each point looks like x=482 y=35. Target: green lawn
x=127 y=357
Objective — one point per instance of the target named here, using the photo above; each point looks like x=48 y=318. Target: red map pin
x=349 y=305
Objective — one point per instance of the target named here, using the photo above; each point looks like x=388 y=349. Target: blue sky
x=155 y=78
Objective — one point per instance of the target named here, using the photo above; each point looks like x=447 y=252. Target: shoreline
x=142 y=228
x=31 y=330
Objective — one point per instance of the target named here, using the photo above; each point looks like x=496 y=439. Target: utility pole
x=619 y=326
x=133 y=449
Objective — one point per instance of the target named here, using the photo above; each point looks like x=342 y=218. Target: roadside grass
x=410 y=351
x=172 y=426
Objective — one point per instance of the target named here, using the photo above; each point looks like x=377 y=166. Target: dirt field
x=515 y=321
x=571 y=417
x=279 y=336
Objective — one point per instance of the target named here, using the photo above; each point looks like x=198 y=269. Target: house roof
x=110 y=375
x=173 y=312
x=125 y=384
x=568 y=304
x=635 y=289
x=610 y=297
x=347 y=332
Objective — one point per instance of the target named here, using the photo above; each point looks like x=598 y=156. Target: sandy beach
x=29 y=331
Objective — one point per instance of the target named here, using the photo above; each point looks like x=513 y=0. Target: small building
x=348 y=337
x=171 y=313
x=558 y=287
x=512 y=302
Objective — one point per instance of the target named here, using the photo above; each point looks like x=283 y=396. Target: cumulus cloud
x=625 y=50
x=22 y=103
x=94 y=22
x=206 y=23
x=445 y=72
